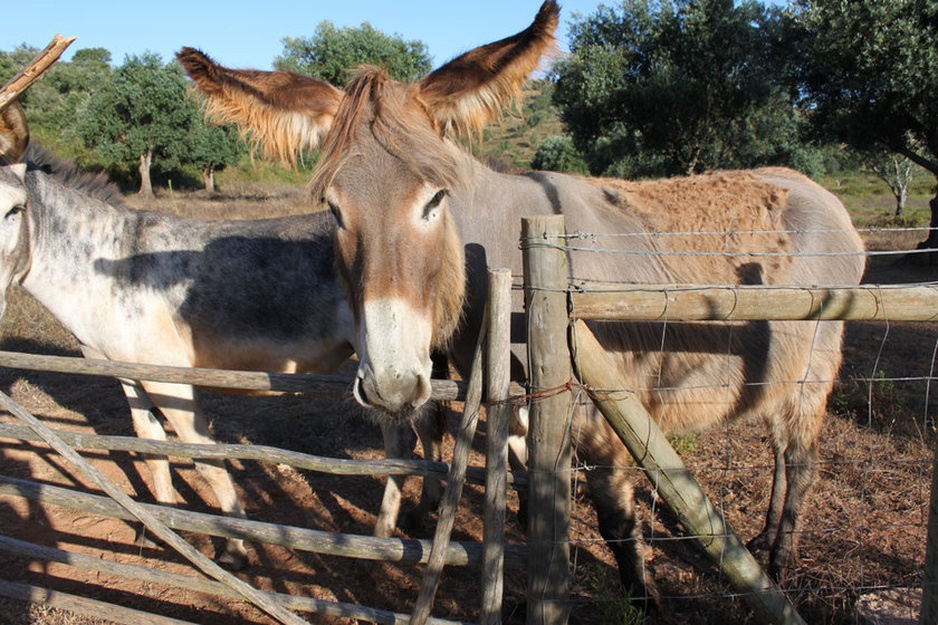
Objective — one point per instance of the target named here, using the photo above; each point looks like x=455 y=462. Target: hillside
x=513 y=140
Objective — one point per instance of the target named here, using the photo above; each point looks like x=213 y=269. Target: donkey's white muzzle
x=394 y=352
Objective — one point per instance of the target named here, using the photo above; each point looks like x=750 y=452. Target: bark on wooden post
x=549 y=446
x=674 y=482
x=498 y=382
x=929 y=612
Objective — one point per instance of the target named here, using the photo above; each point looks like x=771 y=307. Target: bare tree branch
x=36 y=68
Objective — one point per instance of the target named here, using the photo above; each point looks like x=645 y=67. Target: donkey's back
x=258 y=294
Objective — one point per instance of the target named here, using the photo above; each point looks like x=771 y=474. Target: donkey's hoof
x=782 y=565
x=759 y=543
x=143 y=541
x=232 y=560
x=647 y=598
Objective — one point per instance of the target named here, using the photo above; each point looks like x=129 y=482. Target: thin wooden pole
x=454 y=485
x=498 y=413
x=929 y=612
x=675 y=483
x=200 y=584
x=403 y=550
x=309 y=384
x=260 y=453
x=83 y=605
x=549 y=444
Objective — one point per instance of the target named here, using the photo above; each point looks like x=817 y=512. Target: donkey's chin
x=404 y=403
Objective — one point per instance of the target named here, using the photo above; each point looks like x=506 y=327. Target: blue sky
x=249 y=34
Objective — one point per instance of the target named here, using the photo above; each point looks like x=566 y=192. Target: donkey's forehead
x=373 y=176
x=383 y=135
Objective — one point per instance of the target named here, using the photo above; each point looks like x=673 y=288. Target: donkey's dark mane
x=96 y=185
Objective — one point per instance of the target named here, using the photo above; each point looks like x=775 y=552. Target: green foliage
x=557 y=153
x=332 y=52
x=666 y=87
x=871 y=73
x=614 y=607
x=213 y=148
x=684 y=443
x=53 y=102
x=877 y=403
x=142 y=113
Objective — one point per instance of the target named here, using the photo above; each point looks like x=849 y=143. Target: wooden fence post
x=498 y=413
x=674 y=482
x=549 y=445
x=929 y=612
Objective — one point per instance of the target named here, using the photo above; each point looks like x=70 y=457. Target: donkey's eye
x=434 y=203
x=334 y=209
x=16 y=210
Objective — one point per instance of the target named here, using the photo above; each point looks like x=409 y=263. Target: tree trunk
x=901 y=198
x=931 y=243
x=932 y=240
x=208 y=178
x=146 y=186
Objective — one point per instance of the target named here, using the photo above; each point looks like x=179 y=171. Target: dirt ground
x=863 y=531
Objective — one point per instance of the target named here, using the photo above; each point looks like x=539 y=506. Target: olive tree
x=657 y=87
x=141 y=114
x=331 y=52
x=870 y=74
x=211 y=149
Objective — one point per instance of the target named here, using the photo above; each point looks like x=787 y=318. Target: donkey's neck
x=70 y=229
x=70 y=233
x=489 y=209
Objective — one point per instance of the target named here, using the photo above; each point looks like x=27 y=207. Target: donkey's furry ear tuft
x=283 y=113
x=473 y=89
x=14 y=133
x=20 y=170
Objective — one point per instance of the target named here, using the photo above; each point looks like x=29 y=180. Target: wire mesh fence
x=862 y=534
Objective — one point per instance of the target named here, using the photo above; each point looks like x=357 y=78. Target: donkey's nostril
x=358 y=391
x=422 y=392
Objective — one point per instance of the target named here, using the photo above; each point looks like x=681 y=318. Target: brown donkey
x=417 y=218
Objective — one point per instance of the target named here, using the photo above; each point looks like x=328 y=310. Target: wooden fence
x=436 y=553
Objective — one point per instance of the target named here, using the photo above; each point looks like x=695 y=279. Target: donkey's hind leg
x=612 y=494
x=764 y=540
x=147 y=426
x=795 y=441
x=180 y=405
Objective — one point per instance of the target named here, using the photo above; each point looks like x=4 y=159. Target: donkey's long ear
x=14 y=131
x=284 y=113
x=472 y=89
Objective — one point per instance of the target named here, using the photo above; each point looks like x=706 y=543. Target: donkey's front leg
x=179 y=403
x=399 y=442
x=430 y=427
x=147 y=426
